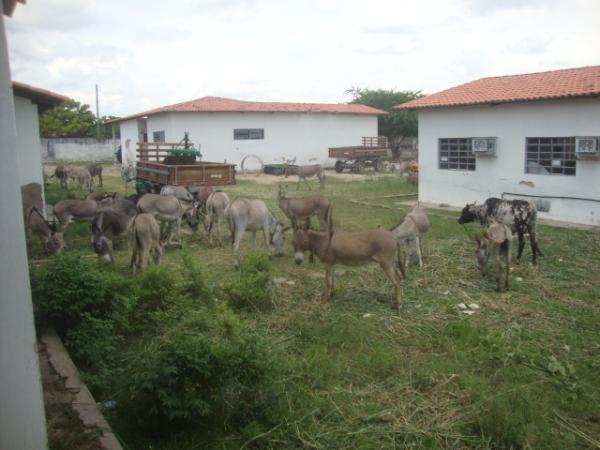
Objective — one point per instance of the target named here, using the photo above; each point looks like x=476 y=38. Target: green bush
x=206 y=364
x=252 y=286
x=94 y=344
x=194 y=284
x=68 y=287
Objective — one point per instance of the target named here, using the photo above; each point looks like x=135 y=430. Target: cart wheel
x=340 y=166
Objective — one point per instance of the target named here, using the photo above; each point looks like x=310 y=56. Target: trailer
x=370 y=154
x=162 y=163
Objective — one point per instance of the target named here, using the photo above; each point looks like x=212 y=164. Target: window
x=158 y=136
x=456 y=154
x=549 y=156
x=248 y=133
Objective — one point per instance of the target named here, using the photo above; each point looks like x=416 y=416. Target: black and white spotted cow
x=520 y=215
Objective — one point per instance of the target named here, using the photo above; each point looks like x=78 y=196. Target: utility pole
x=97 y=115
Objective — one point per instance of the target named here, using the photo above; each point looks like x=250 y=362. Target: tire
x=340 y=166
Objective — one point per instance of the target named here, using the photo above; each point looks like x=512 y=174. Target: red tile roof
x=580 y=82
x=39 y=96
x=219 y=104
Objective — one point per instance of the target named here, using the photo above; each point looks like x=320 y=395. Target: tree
x=397 y=124
x=69 y=119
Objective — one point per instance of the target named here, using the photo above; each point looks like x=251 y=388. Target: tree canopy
x=72 y=119
x=397 y=124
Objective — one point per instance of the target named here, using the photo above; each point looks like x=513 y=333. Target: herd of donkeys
x=152 y=221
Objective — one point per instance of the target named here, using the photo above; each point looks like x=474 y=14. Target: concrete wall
x=78 y=149
x=28 y=141
x=22 y=419
x=511 y=124
x=286 y=135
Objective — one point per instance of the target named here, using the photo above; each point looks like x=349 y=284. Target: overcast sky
x=150 y=53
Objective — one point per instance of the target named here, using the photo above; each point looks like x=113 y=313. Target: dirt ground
x=65 y=429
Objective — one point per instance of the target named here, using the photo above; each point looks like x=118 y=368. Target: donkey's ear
x=285 y=229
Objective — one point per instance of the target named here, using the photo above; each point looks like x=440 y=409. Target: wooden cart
x=370 y=154
x=156 y=168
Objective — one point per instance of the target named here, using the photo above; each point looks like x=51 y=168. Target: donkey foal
x=496 y=238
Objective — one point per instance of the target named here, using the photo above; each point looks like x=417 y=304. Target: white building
x=22 y=419
x=534 y=125
x=29 y=101
x=228 y=130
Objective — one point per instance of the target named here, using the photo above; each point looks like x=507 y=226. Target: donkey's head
x=301 y=244
x=277 y=238
x=470 y=213
x=55 y=243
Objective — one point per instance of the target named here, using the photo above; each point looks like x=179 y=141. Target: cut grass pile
x=520 y=372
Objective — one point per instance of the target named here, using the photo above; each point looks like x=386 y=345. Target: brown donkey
x=353 y=249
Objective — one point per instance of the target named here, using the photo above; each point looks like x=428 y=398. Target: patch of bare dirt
x=65 y=429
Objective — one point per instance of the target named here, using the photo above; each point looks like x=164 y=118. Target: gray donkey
x=169 y=210
x=304 y=172
x=253 y=215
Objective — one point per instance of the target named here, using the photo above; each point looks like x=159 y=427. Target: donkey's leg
x=100 y=182
x=534 y=245
x=521 y=245
x=238 y=233
x=508 y=255
x=306 y=182
x=329 y=274
x=395 y=278
x=254 y=240
x=498 y=268
x=418 y=245
x=420 y=250
x=265 y=232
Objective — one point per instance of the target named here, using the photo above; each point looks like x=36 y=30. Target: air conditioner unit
x=587 y=145
x=483 y=146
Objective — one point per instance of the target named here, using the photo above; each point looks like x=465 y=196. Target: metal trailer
x=162 y=163
x=370 y=154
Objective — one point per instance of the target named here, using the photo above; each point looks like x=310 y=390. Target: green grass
x=522 y=372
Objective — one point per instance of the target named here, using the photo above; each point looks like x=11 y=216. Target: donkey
x=520 y=215
x=353 y=249
x=215 y=207
x=60 y=172
x=95 y=170
x=169 y=210
x=203 y=194
x=496 y=239
x=144 y=241
x=52 y=240
x=66 y=211
x=103 y=198
x=107 y=225
x=305 y=172
x=413 y=227
x=301 y=209
x=178 y=191
x=83 y=177
x=253 y=215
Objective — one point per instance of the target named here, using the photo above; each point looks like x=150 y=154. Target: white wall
x=287 y=135
x=78 y=149
x=511 y=124
x=28 y=141
x=22 y=419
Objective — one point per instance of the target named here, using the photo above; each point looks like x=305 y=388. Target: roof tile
x=219 y=104
x=579 y=82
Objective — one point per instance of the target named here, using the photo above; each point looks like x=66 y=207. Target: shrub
x=194 y=284
x=252 y=287
x=208 y=364
x=67 y=288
